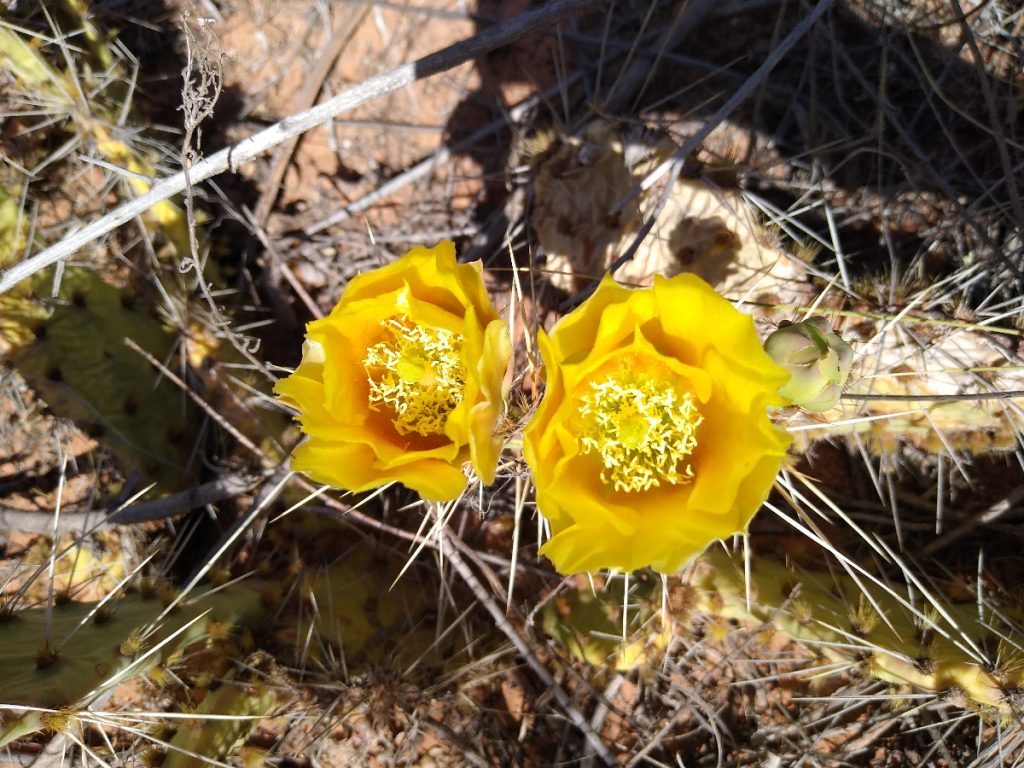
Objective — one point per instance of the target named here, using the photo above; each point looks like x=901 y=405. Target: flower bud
x=818 y=359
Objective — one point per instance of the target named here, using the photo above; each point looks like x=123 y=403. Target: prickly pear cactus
x=588 y=623
x=903 y=636
x=937 y=361
x=72 y=351
x=23 y=61
x=236 y=705
x=891 y=633
x=356 y=607
x=64 y=657
x=578 y=181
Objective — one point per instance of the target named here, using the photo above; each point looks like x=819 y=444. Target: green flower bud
x=818 y=358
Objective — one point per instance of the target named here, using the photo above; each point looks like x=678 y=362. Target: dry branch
x=33 y=521
x=232 y=157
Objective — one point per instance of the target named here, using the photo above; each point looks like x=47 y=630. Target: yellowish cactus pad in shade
x=653 y=437
x=405 y=380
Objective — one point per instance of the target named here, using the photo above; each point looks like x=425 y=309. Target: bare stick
x=175 y=504
x=247 y=149
x=988 y=516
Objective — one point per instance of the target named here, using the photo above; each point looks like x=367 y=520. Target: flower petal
x=354 y=467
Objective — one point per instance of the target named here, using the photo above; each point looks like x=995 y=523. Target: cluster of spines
x=935 y=645
x=59 y=660
x=955 y=650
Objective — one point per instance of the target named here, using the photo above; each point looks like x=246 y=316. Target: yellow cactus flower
x=404 y=381
x=653 y=437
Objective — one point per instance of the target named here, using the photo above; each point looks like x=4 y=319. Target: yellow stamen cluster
x=417 y=374
x=643 y=431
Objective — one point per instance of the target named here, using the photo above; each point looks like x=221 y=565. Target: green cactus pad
x=357 y=607
x=72 y=351
x=588 y=624
x=103 y=650
x=238 y=706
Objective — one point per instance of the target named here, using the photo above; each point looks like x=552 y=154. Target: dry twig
x=231 y=157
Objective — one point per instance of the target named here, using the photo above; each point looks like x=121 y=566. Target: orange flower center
x=643 y=430
x=415 y=373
